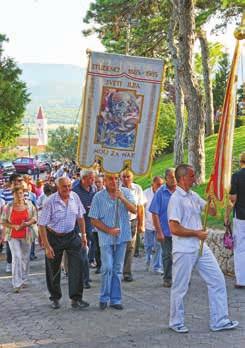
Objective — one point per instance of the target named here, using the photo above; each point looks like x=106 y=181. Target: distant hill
x=56 y=87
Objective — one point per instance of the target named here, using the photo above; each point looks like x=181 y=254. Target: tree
x=145 y=24
x=219 y=83
x=164 y=135
x=63 y=142
x=13 y=98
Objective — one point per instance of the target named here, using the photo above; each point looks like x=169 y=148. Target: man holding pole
x=109 y=214
x=237 y=203
x=184 y=215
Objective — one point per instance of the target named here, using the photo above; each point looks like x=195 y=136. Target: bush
x=240 y=121
x=165 y=131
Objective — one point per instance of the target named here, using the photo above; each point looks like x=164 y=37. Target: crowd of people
x=88 y=219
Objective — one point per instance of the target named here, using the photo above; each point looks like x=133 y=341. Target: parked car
x=29 y=165
x=6 y=168
x=45 y=158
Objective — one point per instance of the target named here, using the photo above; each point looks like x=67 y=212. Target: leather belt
x=57 y=234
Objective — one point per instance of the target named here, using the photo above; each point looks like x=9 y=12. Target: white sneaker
x=229 y=326
x=179 y=329
x=8 y=268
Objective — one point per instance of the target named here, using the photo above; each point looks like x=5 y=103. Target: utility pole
x=29 y=138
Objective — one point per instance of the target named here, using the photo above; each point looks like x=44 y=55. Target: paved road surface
x=28 y=321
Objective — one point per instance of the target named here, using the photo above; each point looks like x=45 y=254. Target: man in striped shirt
x=109 y=214
x=57 y=222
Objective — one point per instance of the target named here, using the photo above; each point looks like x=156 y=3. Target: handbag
x=228 y=237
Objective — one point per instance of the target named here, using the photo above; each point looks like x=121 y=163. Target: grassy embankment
x=166 y=161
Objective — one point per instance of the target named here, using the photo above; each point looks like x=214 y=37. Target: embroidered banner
x=118 y=117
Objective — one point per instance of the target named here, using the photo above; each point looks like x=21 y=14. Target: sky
x=50 y=31
x=46 y=31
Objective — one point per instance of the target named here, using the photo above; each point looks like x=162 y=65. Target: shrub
x=165 y=131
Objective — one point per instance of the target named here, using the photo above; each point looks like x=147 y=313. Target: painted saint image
x=119 y=117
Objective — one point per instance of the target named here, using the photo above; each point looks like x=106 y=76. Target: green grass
x=166 y=161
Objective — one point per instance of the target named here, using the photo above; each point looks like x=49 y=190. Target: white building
x=42 y=128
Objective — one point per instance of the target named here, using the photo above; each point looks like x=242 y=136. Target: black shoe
x=98 y=271
x=128 y=278
x=117 y=306
x=80 y=304
x=87 y=286
x=55 y=304
x=32 y=258
x=137 y=254
x=167 y=283
x=103 y=305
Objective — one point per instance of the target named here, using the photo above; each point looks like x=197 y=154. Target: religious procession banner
x=219 y=183
x=119 y=112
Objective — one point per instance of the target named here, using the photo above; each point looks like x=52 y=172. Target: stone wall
x=224 y=256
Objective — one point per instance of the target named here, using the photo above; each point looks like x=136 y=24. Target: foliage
x=167 y=160
x=219 y=82
x=165 y=131
x=240 y=121
x=13 y=98
x=215 y=55
x=63 y=142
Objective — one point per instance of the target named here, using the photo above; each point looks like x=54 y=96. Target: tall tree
x=179 y=98
x=13 y=98
x=220 y=79
x=63 y=142
x=186 y=39
x=209 y=111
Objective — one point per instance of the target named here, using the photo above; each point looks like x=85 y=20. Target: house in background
x=38 y=142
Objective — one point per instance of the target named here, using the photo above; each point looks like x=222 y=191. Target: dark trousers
x=91 y=245
x=71 y=243
x=32 y=253
x=8 y=253
x=127 y=268
x=85 y=265
x=166 y=245
x=97 y=250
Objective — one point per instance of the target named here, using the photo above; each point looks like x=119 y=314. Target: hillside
x=57 y=87
x=166 y=161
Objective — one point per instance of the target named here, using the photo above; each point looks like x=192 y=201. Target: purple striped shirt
x=59 y=216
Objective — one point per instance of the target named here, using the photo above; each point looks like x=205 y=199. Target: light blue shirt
x=59 y=216
x=112 y=212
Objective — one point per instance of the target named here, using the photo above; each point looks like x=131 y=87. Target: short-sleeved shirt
x=86 y=199
x=59 y=216
x=185 y=208
x=238 y=188
x=139 y=197
x=112 y=213
x=7 y=195
x=159 y=206
x=149 y=194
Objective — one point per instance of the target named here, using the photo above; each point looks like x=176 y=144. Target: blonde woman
x=19 y=219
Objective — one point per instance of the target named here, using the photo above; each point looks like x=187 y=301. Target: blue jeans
x=152 y=249
x=112 y=258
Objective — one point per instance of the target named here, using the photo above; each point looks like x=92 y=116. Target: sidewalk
x=27 y=319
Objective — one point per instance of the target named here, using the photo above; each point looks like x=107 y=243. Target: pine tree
x=13 y=98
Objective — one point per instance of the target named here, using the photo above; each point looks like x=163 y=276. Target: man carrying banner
x=184 y=215
x=237 y=203
x=109 y=214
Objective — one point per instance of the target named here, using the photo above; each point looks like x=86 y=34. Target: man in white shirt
x=136 y=221
x=184 y=215
x=150 y=241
